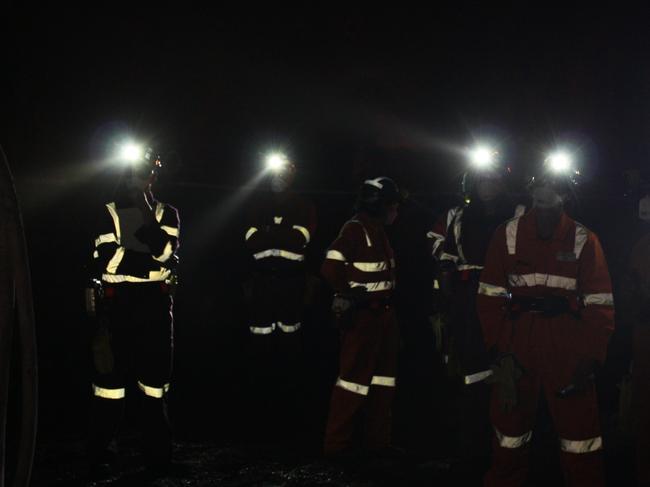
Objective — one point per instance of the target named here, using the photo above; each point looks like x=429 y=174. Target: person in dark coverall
x=360 y=268
x=279 y=229
x=547 y=311
x=461 y=261
x=135 y=255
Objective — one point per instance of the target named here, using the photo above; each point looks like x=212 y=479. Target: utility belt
x=111 y=290
x=547 y=306
x=375 y=304
x=468 y=275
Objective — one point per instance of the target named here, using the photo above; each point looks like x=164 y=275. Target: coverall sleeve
x=493 y=291
x=340 y=254
x=162 y=238
x=112 y=258
x=449 y=254
x=436 y=236
x=595 y=287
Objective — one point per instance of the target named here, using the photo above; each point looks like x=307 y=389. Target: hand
x=341 y=304
x=506 y=372
x=438 y=324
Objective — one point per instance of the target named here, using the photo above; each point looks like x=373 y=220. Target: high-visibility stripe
x=262 y=330
x=154 y=276
x=604 y=299
x=250 y=232
x=277 y=220
x=492 y=291
x=155 y=392
x=160 y=209
x=469 y=267
x=546 y=280
x=580 y=239
x=96 y=254
x=519 y=211
x=352 y=387
x=116 y=220
x=511 y=235
x=458 y=224
x=285 y=254
x=167 y=253
x=335 y=255
x=513 y=441
x=304 y=232
x=372 y=287
x=379 y=380
x=370 y=266
x=289 y=328
x=105 y=238
x=583 y=446
x=446 y=256
x=172 y=231
x=374 y=182
x=478 y=377
x=115 y=260
x=368 y=242
x=109 y=393
x=451 y=214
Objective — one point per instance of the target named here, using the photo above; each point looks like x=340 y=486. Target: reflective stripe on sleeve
x=155 y=392
x=437 y=241
x=96 y=255
x=370 y=266
x=583 y=446
x=262 y=330
x=160 y=209
x=105 y=238
x=304 y=231
x=115 y=260
x=154 y=276
x=172 y=231
x=580 y=239
x=604 y=299
x=167 y=253
x=492 y=291
x=284 y=254
x=469 y=267
x=478 y=377
x=335 y=255
x=372 y=287
x=446 y=256
x=116 y=220
x=511 y=235
x=109 y=393
x=250 y=232
x=352 y=387
x=379 y=380
x=546 y=280
x=289 y=328
x=513 y=441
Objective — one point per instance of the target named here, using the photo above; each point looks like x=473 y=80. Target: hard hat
x=378 y=193
x=484 y=162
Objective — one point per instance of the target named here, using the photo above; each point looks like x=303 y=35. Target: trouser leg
x=378 y=419
x=154 y=364
x=345 y=407
x=577 y=424
x=475 y=433
x=641 y=402
x=513 y=433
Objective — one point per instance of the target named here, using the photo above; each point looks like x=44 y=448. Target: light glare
x=276 y=161
x=483 y=157
x=560 y=162
x=131 y=152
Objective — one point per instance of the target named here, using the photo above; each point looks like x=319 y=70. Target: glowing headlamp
x=560 y=162
x=483 y=157
x=131 y=152
x=276 y=162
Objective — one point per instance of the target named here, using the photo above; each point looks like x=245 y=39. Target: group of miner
x=523 y=296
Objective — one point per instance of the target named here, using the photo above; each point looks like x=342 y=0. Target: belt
x=375 y=304
x=547 y=306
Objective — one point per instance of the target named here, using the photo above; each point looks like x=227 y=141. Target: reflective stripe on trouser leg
x=155 y=392
x=582 y=446
x=380 y=380
x=105 y=393
x=513 y=441
x=352 y=387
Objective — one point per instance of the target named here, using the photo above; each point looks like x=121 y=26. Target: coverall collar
x=529 y=226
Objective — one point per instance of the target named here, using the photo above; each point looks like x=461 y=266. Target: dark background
x=347 y=94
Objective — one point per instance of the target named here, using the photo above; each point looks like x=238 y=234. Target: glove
x=344 y=304
x=102 y=351
x=505 y=374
